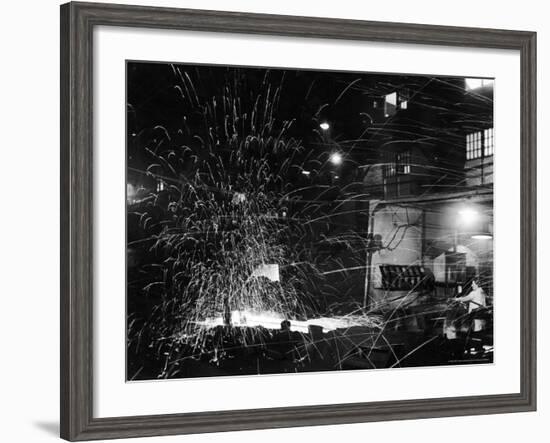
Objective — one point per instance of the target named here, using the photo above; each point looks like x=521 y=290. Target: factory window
x=394 y=101
x=488 y=142
x=390 y=105
x=404 y=97
x=473 y=145
x=397 y=163
x=404 y=162
x=390 y=168
x=480 y=144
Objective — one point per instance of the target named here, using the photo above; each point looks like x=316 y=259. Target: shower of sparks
x=226 y=205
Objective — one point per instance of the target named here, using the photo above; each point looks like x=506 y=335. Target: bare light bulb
x=336 y=158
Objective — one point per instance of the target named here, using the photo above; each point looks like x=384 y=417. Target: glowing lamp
x=468 y=216
x=336 y=158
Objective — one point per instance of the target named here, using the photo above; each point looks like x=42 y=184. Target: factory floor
x=273 y=352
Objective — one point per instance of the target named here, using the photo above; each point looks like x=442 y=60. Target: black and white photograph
x=287 y=221
x=242 y=222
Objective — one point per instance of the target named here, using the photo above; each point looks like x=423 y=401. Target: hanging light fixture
x=472 y=222
x=483 y=232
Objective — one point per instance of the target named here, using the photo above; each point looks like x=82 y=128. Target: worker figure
x=476 y=299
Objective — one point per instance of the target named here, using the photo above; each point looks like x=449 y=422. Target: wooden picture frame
x=77 y=22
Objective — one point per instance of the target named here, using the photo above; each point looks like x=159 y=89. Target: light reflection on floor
x=273 y=320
